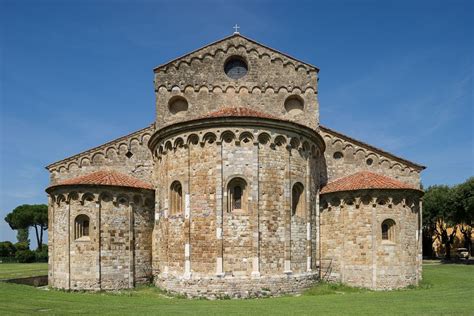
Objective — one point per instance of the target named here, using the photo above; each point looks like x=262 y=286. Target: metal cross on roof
x=236 y=28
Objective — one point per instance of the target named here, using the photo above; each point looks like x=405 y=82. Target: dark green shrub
x=7 y=249
x=42 y=255
x=22 y=245
x=25 y=256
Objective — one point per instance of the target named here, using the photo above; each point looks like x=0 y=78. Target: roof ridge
x=229 y=37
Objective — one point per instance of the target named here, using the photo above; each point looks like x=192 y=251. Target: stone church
x=235 y=190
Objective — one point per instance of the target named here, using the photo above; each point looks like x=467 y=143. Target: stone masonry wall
x=200 y=79
x=206 y=240
x=128 y=155
x=117 y=251
x=352 y=249
x=345 y=156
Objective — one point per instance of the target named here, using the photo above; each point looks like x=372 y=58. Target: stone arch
x=305 y=146
x=246 y=137
x=135 y=141
x=122 y=199
x=176 y=198
x=388 y=227
x=385 y=163
x=122 y=149
x=98 y=158
x=60 y=198
x=396 y=167
x=145 y=138
x=149 y=203
x=294 y=104
x=87 y=197
x=298 y=199
x=105 y=197
x=168 y=146
x=81 y=227
x=294 y=143
x=371 y=159
x=178 y=105
x=73 y=166
x=237 y=194
x=111 y=153
x=382 y=200
x=227 y=136
x=193 y=139
x=360 y=154
x=137 y=199
x=280 y=140
x=178 y=142
x=73 y=196
x=264 y=138
x=209 y=138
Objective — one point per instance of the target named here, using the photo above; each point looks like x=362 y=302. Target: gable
x=203 y=82
x=234 y=41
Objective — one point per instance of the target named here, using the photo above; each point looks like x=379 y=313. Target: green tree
x=439 y=215
x=25 y=216
x=22 y=235
x=463 y=200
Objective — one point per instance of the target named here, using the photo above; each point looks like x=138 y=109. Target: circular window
x=177 y=105
x=369 y=161
x=294 y=105
x=235 y=67
x=337 y=155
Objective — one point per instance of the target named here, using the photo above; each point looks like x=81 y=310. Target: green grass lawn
x=446 y=290
x=22 y=270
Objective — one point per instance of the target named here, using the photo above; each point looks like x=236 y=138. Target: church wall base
x=237 y=287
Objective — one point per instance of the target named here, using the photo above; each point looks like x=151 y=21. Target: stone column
x=220 y=211
x=374 y=244
x=187 y=221
x=69 y=244
x=99 y=246
x=131 y=244
x=318 y=233
x=256 y=219
x=420 y=241
x=309 y=206
x=51 y=225
x=343 y=229
x=287 y=215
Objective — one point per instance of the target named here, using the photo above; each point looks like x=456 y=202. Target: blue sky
x=75 y=74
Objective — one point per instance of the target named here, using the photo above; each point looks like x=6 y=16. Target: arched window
x=388 y=230
x=176 y=198
x=237 y=194
x=81 y=226
x=297 y=199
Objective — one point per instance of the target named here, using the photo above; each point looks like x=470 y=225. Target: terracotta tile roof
x=364 y=180
x=105 y=177
x=240 y=111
